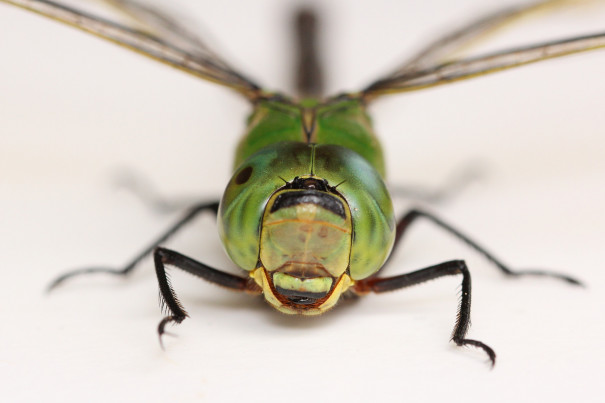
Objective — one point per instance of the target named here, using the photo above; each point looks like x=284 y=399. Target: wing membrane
x=166 y=26
x=437 y=51
x=177 y=46
x=477 y=66
x=428 y=67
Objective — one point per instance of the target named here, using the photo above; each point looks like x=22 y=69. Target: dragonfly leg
x=379 y=285
x=174 y=308
x=412 y=215
x=142 y=188
x=457 y=181
x=190 y=215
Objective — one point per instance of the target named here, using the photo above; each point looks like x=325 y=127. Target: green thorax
x=338 y=122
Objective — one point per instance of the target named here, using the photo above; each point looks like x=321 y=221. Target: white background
x=73 y=110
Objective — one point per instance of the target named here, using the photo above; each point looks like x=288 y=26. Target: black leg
x=412 y=215
x=451 y=187
x=213 y=207
x=143 y=189
x=176 y=312
x=453 y=267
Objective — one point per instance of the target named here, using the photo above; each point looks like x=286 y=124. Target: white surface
x=73 y=109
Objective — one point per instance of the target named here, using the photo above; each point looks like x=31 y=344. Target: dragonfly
x=307 y=214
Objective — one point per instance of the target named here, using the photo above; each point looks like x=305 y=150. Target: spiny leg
x=212 y=206
x=463 y=320
x=176 y=312
x=412 y=215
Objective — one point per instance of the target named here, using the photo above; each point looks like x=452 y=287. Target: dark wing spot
x=243 y=175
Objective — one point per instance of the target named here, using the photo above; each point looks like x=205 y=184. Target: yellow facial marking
x=261 y=278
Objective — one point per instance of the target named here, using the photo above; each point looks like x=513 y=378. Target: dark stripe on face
x=301 y=297
x=310 y=184
x=324 y=200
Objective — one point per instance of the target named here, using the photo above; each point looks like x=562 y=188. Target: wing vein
x=203 y=64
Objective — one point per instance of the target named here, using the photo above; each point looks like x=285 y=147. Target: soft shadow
x=256 y=305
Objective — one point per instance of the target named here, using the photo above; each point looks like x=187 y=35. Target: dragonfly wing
x=453 y=42
x=472 y=67
x=159 y=36
x=165 y=25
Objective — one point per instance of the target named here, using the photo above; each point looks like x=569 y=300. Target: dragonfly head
x=307 y=238
x=305 y=244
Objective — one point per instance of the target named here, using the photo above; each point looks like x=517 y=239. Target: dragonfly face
x=305 y=246
x=325 y=221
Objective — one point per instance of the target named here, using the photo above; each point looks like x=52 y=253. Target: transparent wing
x=429 y=67
x=160 y=37
x=170 y=28
x=476 y=66
x=453 y=42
